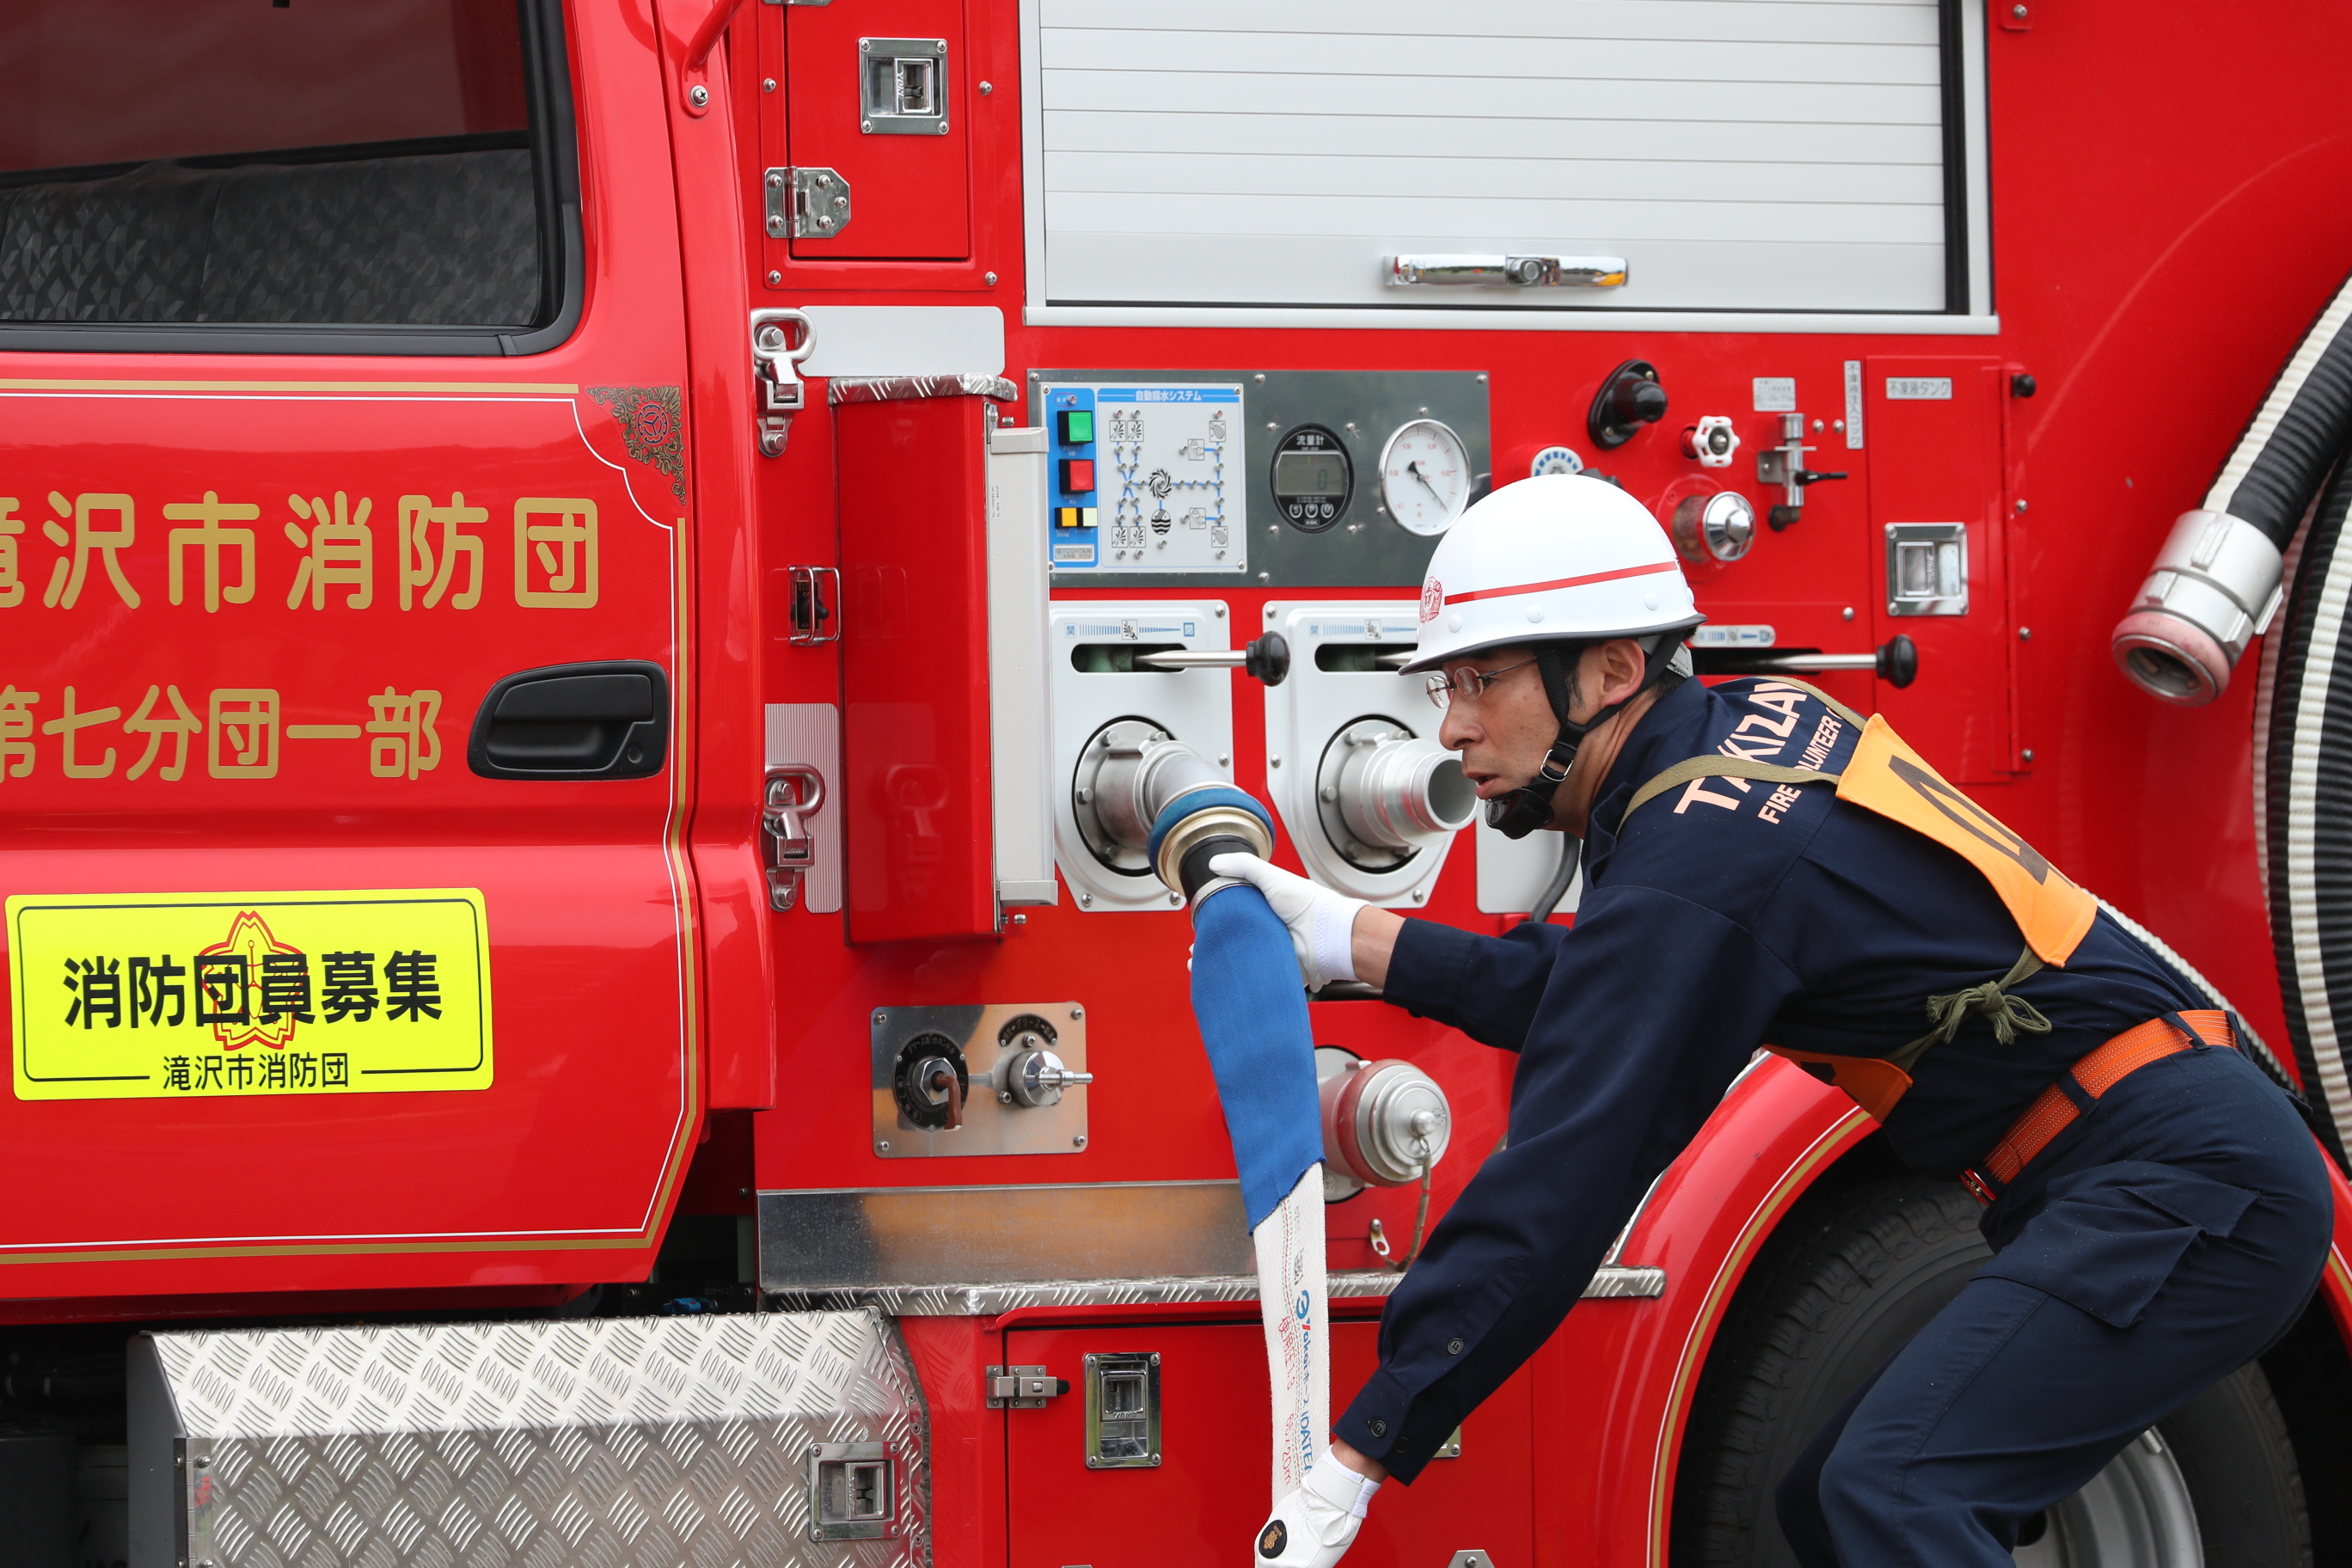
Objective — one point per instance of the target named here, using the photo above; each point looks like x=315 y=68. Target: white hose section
x=2302 y=801
x=1294 y=1299
x=2281 y=395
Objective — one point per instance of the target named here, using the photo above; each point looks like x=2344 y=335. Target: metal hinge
x=775 y=365
x=1022 y=1387
x=807 y=204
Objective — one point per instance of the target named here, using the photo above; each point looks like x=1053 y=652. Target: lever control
x=1266 y=659
x=1784 y=465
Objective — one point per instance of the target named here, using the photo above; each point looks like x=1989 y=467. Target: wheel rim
x=2135 y=1513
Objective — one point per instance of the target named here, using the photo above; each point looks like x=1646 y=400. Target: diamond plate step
x=625 y=1441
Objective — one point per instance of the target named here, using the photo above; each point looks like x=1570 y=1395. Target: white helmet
x=1557 y=557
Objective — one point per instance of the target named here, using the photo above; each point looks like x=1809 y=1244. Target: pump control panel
x=1277 y=477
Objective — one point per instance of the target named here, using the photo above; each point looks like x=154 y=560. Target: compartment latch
x=775 y=366
x=795 y=790
x=1022 y=1387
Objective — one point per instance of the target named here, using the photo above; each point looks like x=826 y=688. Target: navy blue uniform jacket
x=1728 y=913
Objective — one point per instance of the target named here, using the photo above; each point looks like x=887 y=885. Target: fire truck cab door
x=339 y=754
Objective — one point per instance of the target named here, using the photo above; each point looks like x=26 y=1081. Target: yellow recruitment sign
x=163 y=996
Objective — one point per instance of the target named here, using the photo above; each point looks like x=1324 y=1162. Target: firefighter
x=1765 y=870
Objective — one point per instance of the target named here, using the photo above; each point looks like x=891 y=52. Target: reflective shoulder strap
x=1714 y=765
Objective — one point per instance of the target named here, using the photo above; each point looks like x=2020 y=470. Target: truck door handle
x=608 y=719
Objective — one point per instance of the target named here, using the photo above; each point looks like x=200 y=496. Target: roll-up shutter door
x=1776 y=155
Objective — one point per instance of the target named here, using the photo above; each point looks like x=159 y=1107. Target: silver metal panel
x=637 y=1441
x=902 y=388
x=1609 y=1283
x=905 y=339
x=993 y=1122
x=1020 y=692
x=902 y=1237
x=1363 y=547
x=808 y=734
x=980 y=1251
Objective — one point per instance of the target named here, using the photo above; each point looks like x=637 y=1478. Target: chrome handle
x=775 y=364
x=1507 y=271
x=795 y=791
x=812 y=608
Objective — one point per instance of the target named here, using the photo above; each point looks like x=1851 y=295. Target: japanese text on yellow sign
x=129 y=995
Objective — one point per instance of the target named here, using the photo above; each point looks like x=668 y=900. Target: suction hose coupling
x=1397 y=792
x=2212 y=589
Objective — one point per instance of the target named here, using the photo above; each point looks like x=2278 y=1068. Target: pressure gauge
x=1425 y=476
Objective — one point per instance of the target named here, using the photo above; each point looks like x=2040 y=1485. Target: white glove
x=1322 y=922
x=1314 y=1525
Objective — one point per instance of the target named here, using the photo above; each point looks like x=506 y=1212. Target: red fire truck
x=584 y=589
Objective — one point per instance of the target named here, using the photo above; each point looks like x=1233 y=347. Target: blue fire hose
x=1252 y=1018
x=1252 y=1014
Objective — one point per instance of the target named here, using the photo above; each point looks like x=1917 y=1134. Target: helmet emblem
x=1432 y=599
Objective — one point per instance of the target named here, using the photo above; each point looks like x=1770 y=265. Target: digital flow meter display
x=1312 y=479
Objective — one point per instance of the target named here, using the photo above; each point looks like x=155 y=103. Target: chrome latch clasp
x=1022 y=1387
x=777 y=351
x=795 y=791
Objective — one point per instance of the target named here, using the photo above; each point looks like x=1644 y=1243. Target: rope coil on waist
x=1991 y=1002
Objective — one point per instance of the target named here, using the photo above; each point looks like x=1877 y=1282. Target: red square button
x=1078 y=476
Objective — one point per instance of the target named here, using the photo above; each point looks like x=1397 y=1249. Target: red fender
x=1621 y=1374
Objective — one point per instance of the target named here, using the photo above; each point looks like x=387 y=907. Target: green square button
x=1077 y=427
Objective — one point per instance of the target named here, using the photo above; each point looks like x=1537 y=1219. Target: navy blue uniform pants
x=2161 y=1243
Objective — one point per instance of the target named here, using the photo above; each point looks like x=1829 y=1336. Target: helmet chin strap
x=1528 y=807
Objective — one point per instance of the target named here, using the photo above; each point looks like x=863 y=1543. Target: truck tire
x=1850 y=1276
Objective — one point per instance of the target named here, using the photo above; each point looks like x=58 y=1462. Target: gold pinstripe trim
x=1717 y=1296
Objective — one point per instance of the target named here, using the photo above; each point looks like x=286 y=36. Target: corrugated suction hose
x=2303 y=809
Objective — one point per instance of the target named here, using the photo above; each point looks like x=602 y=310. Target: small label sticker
x=1853 y=405
x=1083 y=555
x=1732 y=637
x=248 y=995
x=1776 y=394
x=1918 y=388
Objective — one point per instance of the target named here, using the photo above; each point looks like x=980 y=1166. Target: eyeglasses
x=1468 y=684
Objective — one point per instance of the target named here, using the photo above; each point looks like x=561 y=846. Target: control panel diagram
x=1145 y=478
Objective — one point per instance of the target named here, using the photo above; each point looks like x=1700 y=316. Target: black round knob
x=1269 y=658
x=1898 y=661
x=1638 y=401
x=2021 y=384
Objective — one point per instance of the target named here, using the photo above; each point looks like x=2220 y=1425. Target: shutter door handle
x=603 y=720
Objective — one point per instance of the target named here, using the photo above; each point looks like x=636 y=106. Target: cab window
x=322 y=163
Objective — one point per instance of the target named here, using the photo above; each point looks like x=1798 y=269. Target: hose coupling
x=1384 y=1123
x=2212 y=589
